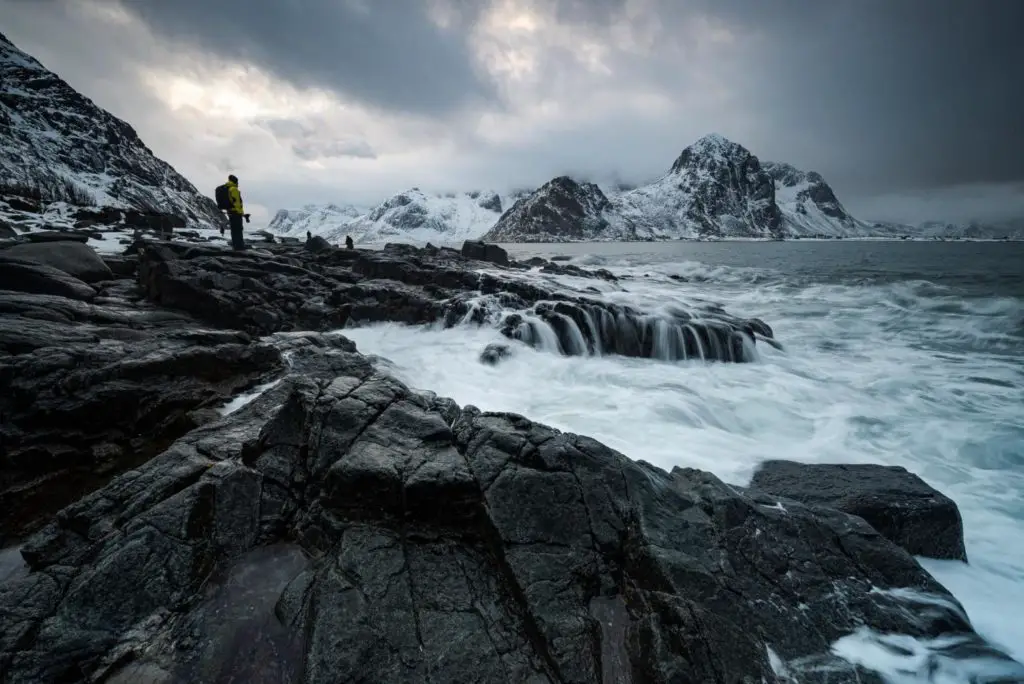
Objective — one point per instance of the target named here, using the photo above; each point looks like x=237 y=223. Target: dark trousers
x=235 y=220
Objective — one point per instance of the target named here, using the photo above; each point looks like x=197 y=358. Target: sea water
x=906 y=354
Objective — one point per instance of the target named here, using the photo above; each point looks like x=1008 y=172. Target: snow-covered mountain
x=411 y=215
x=715 y=188
x=57 y=145
x=1012 y=229
x=314 y=218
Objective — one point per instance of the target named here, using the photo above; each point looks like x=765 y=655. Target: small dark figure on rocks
x=348 y=242
x=229 y=200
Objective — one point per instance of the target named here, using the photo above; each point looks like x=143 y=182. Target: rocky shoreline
x=341 y=526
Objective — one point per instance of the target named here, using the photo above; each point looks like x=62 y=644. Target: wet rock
x=6 y=232
x=87 y=391
x=285 y=288
x=27 y=276
x=897 y=503
x=122 y=266
x=21 y=204
x=74 y=258
x=493 y=354
x=402 y=537
x=57 y=236
x=482 y=251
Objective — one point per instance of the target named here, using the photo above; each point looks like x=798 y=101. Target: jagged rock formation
x=397 y=535
x=58 y=145
x=94 y=379
x=333 y=288
x=715 y=188
x=343 y=523
x=88 y=390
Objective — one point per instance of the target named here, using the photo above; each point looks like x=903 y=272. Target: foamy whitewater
x=879 y=365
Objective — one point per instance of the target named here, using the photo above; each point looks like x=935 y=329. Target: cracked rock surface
x=342 y=527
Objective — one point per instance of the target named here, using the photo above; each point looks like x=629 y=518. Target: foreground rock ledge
x=897 y=503
x=345 y=528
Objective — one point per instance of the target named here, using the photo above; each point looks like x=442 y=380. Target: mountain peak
x=66 y=148
x=713 y=141
x=711 y=149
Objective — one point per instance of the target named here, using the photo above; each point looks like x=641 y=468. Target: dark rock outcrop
x=562 y=209
x=6 y=232
x=27 y=276
x=291 y=289
x=482 y=251
x=344 y=526
x=89 y=390
x=899 y=504
x=74 y=258
x=315 y=243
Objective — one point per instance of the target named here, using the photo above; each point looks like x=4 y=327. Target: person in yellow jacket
x=236 y=213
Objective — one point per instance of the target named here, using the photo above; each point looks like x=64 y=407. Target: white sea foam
x=903 y=373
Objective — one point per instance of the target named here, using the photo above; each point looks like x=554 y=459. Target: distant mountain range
x=58 y=146
x=714 y=189
x=410 y=215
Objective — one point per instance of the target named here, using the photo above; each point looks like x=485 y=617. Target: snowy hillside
x=809 y=206
x=413 y=215
x=715 y=188
x=316 y=219
x=56 y=144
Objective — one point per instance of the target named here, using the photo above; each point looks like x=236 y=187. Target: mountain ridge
x=715 y=188
x=57 y=145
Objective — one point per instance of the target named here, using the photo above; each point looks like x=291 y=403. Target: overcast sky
x=911 y=109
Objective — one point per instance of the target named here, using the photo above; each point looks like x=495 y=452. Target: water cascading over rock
x=592 y=328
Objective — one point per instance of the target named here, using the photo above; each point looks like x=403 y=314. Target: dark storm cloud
x=384 y=53
x=884 y=93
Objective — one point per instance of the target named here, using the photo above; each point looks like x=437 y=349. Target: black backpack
x=223 y=198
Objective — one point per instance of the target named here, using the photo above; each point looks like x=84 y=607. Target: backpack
x=223 y=198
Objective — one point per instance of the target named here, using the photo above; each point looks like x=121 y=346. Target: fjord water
x=898 y=353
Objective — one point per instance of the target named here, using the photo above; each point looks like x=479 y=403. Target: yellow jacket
x=236 y=199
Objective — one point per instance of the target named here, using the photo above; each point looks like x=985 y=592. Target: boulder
x=482 y=251
x=494 y=353
x=74 y=258
x=26 y=276
x=317 y=244
x=899 y=504
x=342 y=523
x=21 y=204
x=6 y=232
